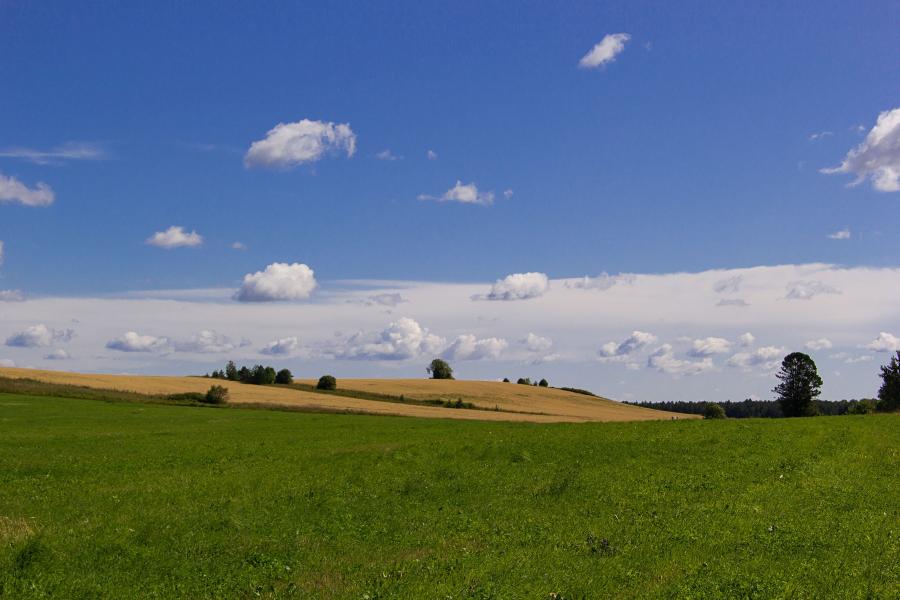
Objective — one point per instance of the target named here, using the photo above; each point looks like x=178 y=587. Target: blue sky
x=692 y=149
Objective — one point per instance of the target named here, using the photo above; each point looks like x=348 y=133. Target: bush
x=284 y=377
x=544 y=383
x=326 y=382
x=506 y=380
x=713 y=411
x=217 y=394
x=439 y=369
x=187 y=397
x=524 y=381
x=861 y=407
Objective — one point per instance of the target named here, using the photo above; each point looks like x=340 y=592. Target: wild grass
x=122 y=499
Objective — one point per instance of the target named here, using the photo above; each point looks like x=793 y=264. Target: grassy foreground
x=125 y=500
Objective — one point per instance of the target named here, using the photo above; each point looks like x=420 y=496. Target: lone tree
x=800 y=385
x=439 y=369
x=327 y=382
x=543 y=383
x=889 y=393
x=713 y=410
x=284 y=376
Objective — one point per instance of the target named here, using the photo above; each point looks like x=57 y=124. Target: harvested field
x=513 y=402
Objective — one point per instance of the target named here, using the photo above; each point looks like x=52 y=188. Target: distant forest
x=770 y=409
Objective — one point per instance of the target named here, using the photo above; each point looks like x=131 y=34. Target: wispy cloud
x=13 y=190
x=64 y=152
x=877 y=158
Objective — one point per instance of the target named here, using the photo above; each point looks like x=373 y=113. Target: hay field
x=539 y=405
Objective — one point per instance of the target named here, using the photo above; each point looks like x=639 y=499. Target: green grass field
x=128 y=500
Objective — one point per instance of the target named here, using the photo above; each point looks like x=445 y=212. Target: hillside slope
x=504 y=401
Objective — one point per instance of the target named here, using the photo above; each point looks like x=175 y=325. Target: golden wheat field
x=507 y=401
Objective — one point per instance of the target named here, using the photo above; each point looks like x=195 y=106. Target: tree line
x=797 y=395
x=257 y=374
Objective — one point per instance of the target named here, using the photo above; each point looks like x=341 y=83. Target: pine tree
x=889 y=394
x=800 y=385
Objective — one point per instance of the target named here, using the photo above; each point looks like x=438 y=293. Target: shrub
x=326 y=382
x=217 y=394
x=524 y=381
x=439 y=369
x=713 y=411
x=187 y=397
x=506 y=380
x=284 y=376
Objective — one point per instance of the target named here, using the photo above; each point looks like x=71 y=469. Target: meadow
x=127 y=499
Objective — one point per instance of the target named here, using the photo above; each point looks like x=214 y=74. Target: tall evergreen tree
x=889 y=394
x=800 y=385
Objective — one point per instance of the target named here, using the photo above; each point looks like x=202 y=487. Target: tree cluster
x=257 y=375
x=527 y=381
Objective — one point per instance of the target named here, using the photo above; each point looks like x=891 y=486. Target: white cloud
x=858 y=359
x=663 y=359
x=238 y=246
x=807 y=290
x=464 y=194
x=601 y=282
x=39 y=336
x=13 y=190
x=401 y=340
x=386 y=299
x=819 y=344
x=746 y=339
x=468 y=347
x=878 y=156
x=821 y=135
x=58 y=354
x=885 y=342
x=290 y=144
x=767 y=357
x=508 y=193
x=605 y=51
x=135 y=342
x=175 y=237
x=12 y=296
x=432 y=155
x=281 y=347
x=61 y=153
x=709 y=346
x=386 y=154
x=518 y=286
x=843 y=234
x=280 y=281
x=638 y=340
x=206 y=342
x=537 y=343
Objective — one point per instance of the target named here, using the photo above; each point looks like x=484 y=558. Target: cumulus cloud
x=13 y=190
x=877 y=158
x=281 y=347
x=463 y=193
x=885 y=342
x=767 y=357
x=518 y=286
x=58 y=354
x=39 y=336
x=468 y=347
x=663 y=359
x=638 y=340
x=12 y=296
x=132 y=341
x=207 y=342
x=290 y=144
x=605 y=51
x=536 y=343
x=843 y=234
x=401 y=340
x=709 y=346
x=61 y=153
x=819 y=344
x=807 y=290
x=601 y=282
x=279 y=282
x=174 y=237
x=746 y=339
